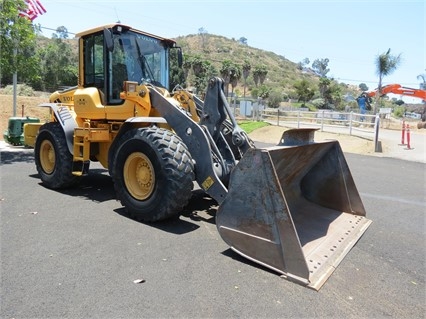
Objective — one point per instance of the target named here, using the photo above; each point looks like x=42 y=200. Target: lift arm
x=398 y=89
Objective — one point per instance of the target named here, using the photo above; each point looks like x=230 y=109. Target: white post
x=298 y=119
x=376 y=133
x=322 y=121
x=278 y=117
x=350 y=122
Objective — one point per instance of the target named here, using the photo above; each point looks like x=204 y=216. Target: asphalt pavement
x=399 y=147
x=75 y=254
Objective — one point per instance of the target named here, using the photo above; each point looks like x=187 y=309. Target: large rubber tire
x=53 y=160
x=153 y=174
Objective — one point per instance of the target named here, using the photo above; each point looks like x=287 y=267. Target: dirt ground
x=390 y=141
x=30 y=108
x=349 y=144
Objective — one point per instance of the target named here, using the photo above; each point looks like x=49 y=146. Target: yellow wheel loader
x=293 y=207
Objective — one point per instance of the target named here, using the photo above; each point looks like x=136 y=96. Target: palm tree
x=234 y=77
x=423 y=78
x=259 y=74
x=225 y=73
x=385 y=65
x=231 y=73
x=246 y=73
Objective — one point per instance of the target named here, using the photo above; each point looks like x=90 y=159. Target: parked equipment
x=293 y=208
x=14 y=134
x=398 y=89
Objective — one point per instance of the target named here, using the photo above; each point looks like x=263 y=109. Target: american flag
x=33 y=9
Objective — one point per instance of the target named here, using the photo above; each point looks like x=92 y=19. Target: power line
x=375 y=82
x=55 y=30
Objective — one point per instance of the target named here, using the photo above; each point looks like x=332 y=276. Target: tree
x=304 y=91
x=59 y=65
x=323 y=85
x=225 y=73
x=17 y=35
x=186 y=65
x=363 y=87
x=386 y=64
x=61 y=32
x=303 y=63
x=320 y=67
x=398 y=102
x=325 y=92
x=264 y=92
x=235 y=76
x=203 y=34
x=331 y=92
x=336 y=96
x=259 y=74
x=423 y=83
x=178 y=74
x=201 y=78
x=243 y=41
x=202 y=69
x=246 y=73
x=255 y=93
x=231 y=73
x=275 y=98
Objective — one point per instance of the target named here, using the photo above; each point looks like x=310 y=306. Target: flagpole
x=33 y=10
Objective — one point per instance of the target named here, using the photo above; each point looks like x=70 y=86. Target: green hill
x=282 y=73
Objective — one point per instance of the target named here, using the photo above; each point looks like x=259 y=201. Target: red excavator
x=398 y=89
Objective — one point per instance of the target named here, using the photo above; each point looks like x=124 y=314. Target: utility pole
x=15 y=77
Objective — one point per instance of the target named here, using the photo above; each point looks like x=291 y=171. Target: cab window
x=94 y=75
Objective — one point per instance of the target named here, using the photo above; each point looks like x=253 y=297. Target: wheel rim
x=139 y=176
x=47 y=156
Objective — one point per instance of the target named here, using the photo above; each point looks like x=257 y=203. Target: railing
x=362 y=125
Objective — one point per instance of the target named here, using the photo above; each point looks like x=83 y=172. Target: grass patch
x=250 y=126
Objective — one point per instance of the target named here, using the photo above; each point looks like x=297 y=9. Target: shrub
x=319 y=103
x=21 y=90
x=399 y=111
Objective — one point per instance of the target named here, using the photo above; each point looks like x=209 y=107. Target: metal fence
x=362 y=125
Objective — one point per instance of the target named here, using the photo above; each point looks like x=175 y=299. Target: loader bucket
x=294 y=209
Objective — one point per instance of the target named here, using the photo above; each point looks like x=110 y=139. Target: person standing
x=362 y=104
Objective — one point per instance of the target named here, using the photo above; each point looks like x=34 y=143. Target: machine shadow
x=97 y=186
x=201 y=208
x=174 y=225
x=18 y=155
x=237 y=257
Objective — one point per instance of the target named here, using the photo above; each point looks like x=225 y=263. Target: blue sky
x=351 y=34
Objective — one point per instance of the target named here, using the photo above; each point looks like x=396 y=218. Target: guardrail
x=362 y=125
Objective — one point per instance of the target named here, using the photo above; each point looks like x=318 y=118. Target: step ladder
x=81 y=152
x=83 y=138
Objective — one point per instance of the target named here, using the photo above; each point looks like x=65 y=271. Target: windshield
x=145 y=58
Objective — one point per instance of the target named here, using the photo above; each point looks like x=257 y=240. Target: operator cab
x=116 y=53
